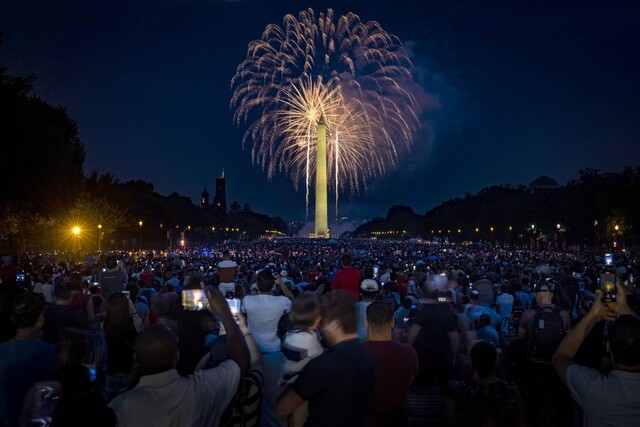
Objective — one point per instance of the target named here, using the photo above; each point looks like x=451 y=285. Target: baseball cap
x=543 y=286
x=369 y=285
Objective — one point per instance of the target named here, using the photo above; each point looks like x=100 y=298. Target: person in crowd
x=79 y=403
x=369 y=289
x=348 y=278
x=338 y=384
x=79 y=299
x=62 y=317
x=613 y=399
x=264 y=311
x=24 y=359
x=227 y=271
x=484 y=330
x=300 y=344
x=163 y=398
x=542 y=327
x=476 y=308
x=140 y=304
x=402 y=313
x=485 y=400
x=121 y=326
x=147 y=276
x=396 y=368
x=504 y=302
x=434 y=335
x=192 y=327
x=113 y=277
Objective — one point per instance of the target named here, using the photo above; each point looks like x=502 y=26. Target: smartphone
x=608 y=260
x=234 y=306
x=20 y=277
x=608 y=286
x=194 y=300
x=376 y=271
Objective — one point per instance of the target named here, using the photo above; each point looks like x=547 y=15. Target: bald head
x=156 y=349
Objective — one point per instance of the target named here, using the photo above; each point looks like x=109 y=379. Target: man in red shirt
x=397 y=367
x=348 y=279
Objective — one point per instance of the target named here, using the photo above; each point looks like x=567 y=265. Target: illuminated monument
x=321 y=222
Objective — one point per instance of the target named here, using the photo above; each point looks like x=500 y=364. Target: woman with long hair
x=121 y=325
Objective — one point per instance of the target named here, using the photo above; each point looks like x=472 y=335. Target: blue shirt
x=22 y=363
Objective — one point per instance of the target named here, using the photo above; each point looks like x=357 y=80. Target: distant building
x=204 y=201
x=220 y=199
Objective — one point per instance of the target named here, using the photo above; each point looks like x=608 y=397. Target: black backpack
x=545 y=333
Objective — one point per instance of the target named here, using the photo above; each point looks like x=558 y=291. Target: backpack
x=545 y=333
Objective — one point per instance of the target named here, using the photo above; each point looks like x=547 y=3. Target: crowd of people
x=303 y=332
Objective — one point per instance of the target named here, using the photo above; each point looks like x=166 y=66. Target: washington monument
x=321 y=222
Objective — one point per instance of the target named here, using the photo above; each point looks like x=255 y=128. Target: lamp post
x=140 y=240
x=99 y=236
x=76 y=234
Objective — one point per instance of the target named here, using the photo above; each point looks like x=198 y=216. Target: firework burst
x=354 y=74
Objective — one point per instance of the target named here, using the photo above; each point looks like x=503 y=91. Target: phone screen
x=194 y=300
x=608 y=259
x=234 y=306
x=608 y=286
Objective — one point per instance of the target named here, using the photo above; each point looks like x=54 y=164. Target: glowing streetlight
x=491 y=229
x=99 y=236
x=617 y=228
x=140 y=240
x=533 y=226
x=477 y=229
x=76 y=230
x=510 y=228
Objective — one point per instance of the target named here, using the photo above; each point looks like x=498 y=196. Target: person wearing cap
x=542 y=380
x=286 y=280
x=368 y=289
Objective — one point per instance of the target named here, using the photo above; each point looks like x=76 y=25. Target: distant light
x=76 y=230
x=140 y=223
x=617 y=228
x=558 y=226
x=99 y=225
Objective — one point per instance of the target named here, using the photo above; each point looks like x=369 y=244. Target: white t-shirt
x=167 y=399
x=263 y=313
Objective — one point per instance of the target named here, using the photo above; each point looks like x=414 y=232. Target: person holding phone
x=612 y=399
x=201 y=398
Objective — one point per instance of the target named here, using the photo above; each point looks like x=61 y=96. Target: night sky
x=524 y=90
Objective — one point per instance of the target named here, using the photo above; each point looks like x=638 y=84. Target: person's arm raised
x=563 y=357
x=284 y=288
x=236 y=345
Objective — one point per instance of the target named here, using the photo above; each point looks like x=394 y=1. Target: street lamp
x=99 y=236
x=617 y=228
x=76 y=234
x=140 y=240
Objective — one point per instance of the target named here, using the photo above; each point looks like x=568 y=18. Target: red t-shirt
x=348 y=279
x=396 y=368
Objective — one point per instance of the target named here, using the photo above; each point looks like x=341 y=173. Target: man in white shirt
x=265 y=310
x=227 y=271
x=163 y=398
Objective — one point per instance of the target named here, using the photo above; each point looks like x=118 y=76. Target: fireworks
x=353 y=73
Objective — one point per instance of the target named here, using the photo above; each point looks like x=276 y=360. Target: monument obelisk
x=321 y=221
